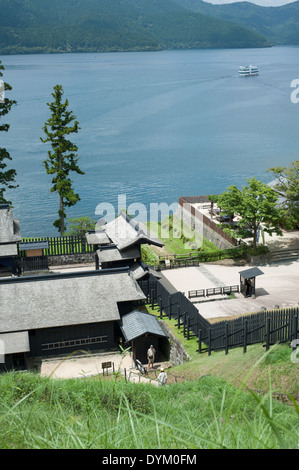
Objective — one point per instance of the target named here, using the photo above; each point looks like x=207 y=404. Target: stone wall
x=178 y=355
x=60 y=260
x=203 y=229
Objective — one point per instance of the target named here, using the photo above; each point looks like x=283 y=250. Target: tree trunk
x=61 y=211
x=255 y=229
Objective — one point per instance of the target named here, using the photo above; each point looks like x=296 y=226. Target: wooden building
x=140 y=330
x=118 y=243
x=57 y=314
x=10 y=234
x=247 y=281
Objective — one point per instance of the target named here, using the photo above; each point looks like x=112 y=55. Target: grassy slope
x=206 y=410
x=274 y=367
x=174 y=244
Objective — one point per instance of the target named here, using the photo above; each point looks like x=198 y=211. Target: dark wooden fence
x=60 y=245
x=267 y=327
x=34 y=263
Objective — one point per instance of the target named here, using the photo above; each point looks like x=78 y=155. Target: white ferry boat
x=248 y=70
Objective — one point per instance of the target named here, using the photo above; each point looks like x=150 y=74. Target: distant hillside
x=46 y=26
x=280 y=25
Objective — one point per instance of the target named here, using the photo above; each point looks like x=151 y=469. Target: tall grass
x=87 y=413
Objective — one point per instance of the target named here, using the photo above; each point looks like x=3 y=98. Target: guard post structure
x=247 y=281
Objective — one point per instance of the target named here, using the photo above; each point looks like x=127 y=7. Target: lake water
x=154 y=126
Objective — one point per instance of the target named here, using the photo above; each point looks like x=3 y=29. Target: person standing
x=151 y=352
x=162 y=377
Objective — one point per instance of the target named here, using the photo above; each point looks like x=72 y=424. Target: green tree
x=256 y=203
x=63 y=158
x=80 y=225
x=7 y=177
x=287 y=187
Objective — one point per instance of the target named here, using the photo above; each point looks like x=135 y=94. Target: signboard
x=106 y=365
x=34 y=245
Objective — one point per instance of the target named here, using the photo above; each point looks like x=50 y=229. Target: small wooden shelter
x=140 y=330
x=247 y=281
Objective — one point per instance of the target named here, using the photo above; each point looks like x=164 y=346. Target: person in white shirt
x=162 y=377
x=151 y=352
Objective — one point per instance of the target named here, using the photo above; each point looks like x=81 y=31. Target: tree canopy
x=80 y=225
x=63 y=158
x=7 y=176
x=287 y=187
x=255 y=203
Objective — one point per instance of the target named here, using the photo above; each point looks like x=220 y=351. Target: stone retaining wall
x=60 y=260
x=178 y=354
x=203 y=229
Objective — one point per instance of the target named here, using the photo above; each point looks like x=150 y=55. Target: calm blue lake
x=154 y=126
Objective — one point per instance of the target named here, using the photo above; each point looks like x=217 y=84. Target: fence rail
x=59 y=245
x=33 y=263
x=213 y=291
x=268 y=327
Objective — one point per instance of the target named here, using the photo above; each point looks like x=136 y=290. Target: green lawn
x=174 y=242
x=273 y=367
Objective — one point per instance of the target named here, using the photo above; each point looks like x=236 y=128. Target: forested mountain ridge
x=45 y=26
x=280 y=25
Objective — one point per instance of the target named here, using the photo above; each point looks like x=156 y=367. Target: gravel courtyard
x=278 y=286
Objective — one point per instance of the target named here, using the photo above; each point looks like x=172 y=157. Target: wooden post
x=226 y=338
x=245 y=336
x=169 y=303
x=199 y=341
x=152 y=298
x=179 y=315
x=209 y=341
x=188 y=328
x=295 y=327
x=184 y=324
x=268 y=334
x=160 y=308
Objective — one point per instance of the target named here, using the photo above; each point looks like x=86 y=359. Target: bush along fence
x=268 y=327
x=195 y=258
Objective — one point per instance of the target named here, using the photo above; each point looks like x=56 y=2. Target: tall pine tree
x=7 y=177
x=63 y=158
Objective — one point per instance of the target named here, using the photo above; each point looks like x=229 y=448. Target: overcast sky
x=264 y=3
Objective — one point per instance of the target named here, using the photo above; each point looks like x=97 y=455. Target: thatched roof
x=125 y=232
x=65 y=299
